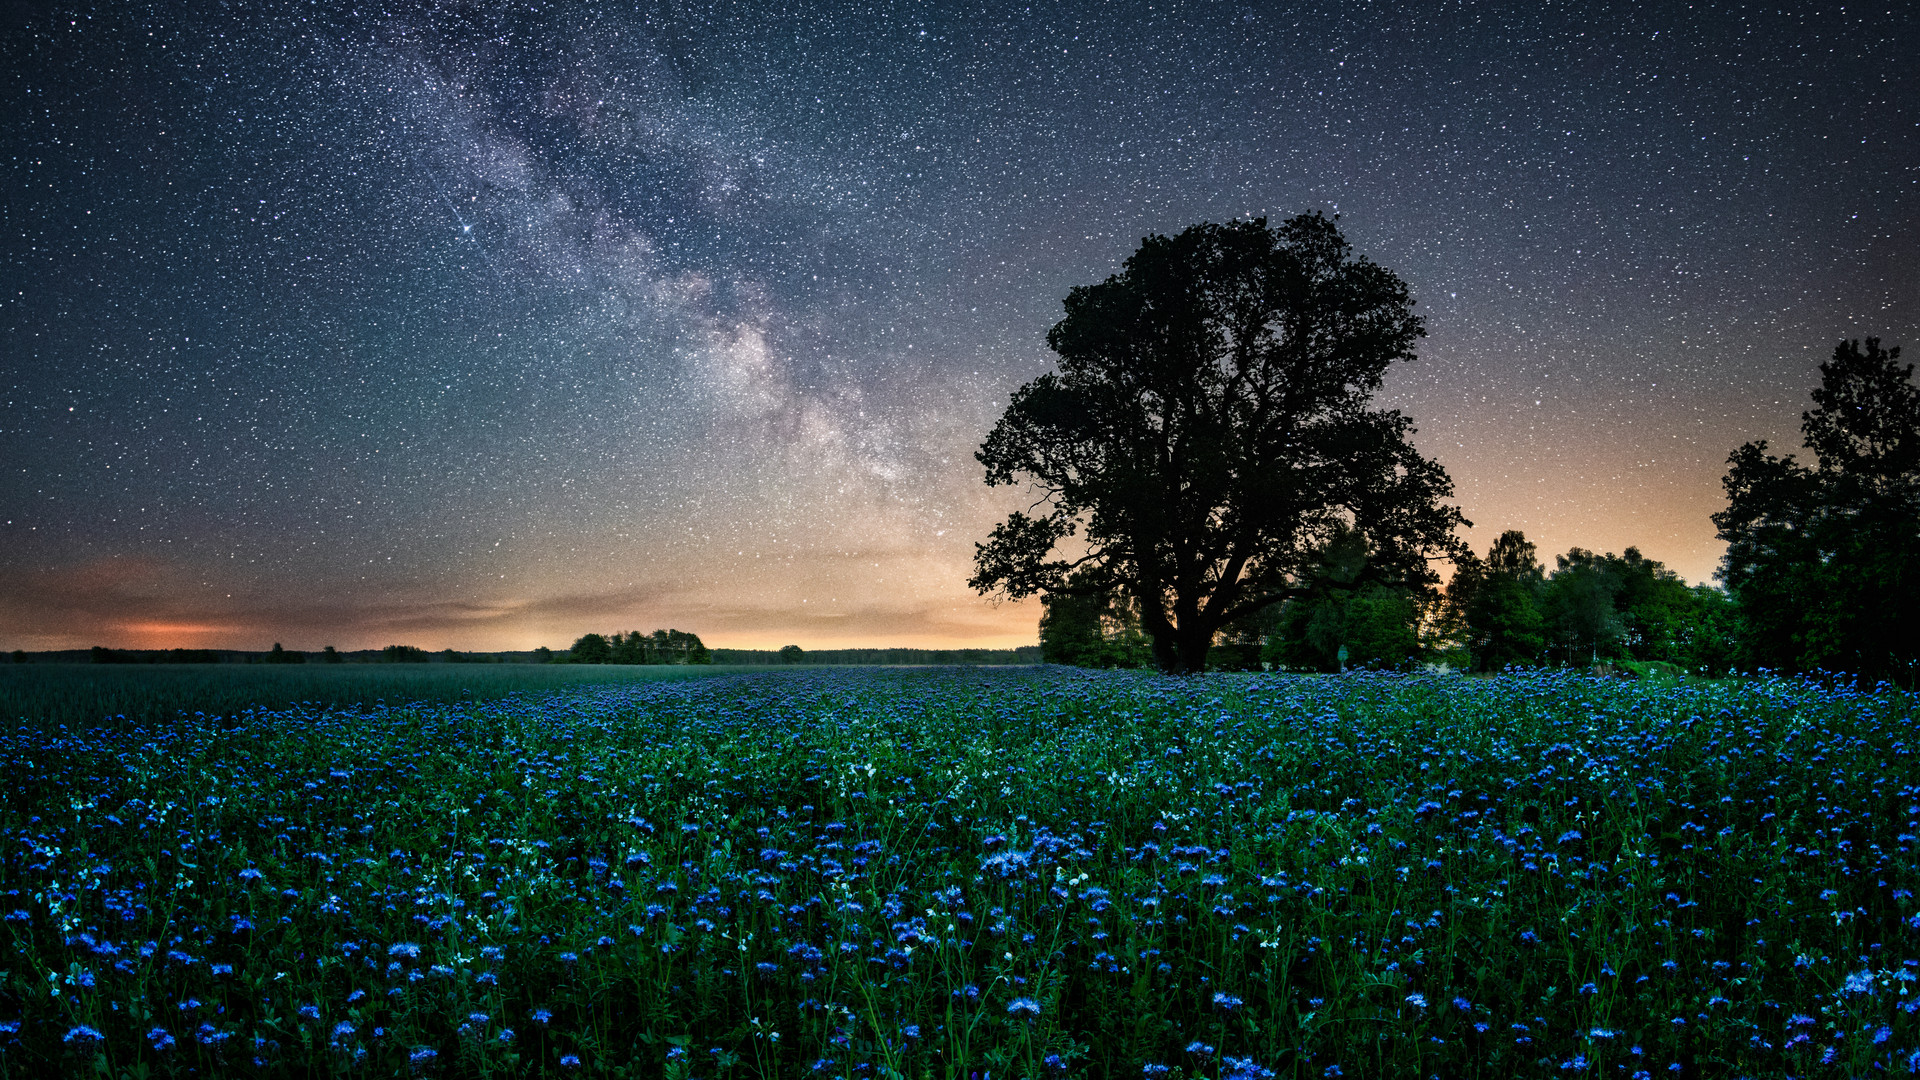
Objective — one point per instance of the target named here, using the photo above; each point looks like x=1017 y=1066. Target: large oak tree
x=1207 y=435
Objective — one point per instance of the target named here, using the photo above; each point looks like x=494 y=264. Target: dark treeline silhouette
x=659 y=647
x=1499 y=610
x=101 y=655
x=1825 y=558
x=279 y=654
x=1822 y=573
x=1029 y=654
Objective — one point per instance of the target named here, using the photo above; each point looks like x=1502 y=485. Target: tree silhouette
x=592 y=649
x=1497 y=598
x=1207 y=434
x=1825 y=561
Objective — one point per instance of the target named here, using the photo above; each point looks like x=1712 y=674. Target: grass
x=948 y=872
x=83 y=694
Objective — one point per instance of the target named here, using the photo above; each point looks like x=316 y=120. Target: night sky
x=484 y=327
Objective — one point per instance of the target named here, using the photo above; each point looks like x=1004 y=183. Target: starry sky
x=485 y=326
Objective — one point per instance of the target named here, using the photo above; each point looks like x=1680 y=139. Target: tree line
x=659 y=647
x=1212 y=489
x=1501 y=609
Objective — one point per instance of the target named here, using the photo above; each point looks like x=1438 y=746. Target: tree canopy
x=1207 y=434
x=1825 y=559
x=659 y=647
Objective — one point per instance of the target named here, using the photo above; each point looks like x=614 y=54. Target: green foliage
x=933 y=874
x=1496 y=601
x=1207 y=435
x=1091 y=627
x=403 y=654
x=1347 y=608
x=659 y=647
x=591 y=649
x=1822 y=558
x=1580 y=608
x=792 y=654
x=1593 y=608
x=1378 y=626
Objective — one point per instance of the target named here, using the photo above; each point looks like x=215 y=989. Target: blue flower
x=1198 y=1047
x=160 y=1039
x=83 y=1033
x=1244 y=1069
x=1226 y=1001
x=570 y=1061
x=1023 y=1006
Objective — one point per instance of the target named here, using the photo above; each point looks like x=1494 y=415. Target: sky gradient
x=486 y=327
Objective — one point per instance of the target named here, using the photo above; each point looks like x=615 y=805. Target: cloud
x=149 y=604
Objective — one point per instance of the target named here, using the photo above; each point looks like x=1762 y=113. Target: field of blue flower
x=945 y=873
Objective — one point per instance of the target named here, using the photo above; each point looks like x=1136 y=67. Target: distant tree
x=543 y=655
x=280 y=655
x=1240 y=645
x=1708 y=643
x=403 y=654
x=695 y=651
x=1207 y=433
x=592 y=649
x=1496 y=600
x=19 y=656
x=791 y=654
x=330 y=655
x=1087 y=628
x=1345 y=607
x=659 y=647
x=1376 y=624
x=1657 y=607
x=1578 y=605
x=1825 y=561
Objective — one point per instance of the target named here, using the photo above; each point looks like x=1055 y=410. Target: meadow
x=971 y=872
x=82 y=694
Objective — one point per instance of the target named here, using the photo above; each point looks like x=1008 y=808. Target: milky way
x=486 y=328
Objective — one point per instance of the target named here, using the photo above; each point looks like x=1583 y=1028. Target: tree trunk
x=1166 y=654
x=1193 y=646
x=1180 y=651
